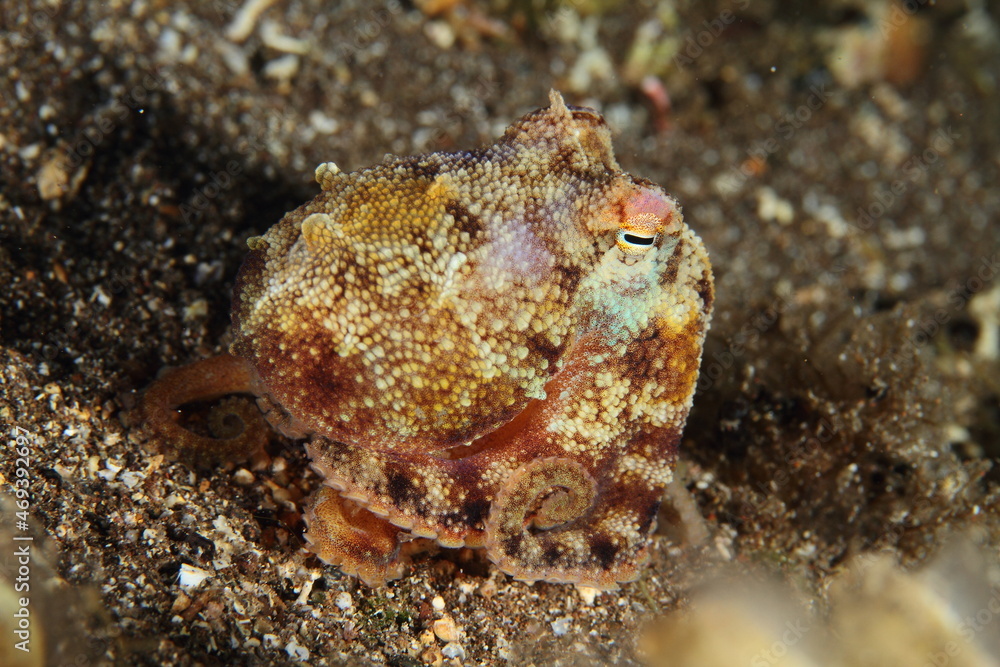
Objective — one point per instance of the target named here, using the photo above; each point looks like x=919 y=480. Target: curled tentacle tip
x=343 y=533
x=237 y=428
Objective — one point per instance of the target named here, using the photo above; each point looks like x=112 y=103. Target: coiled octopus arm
x=342 y=532
x=238 y=429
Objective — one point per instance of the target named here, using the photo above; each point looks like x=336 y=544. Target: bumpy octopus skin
x=495 y=348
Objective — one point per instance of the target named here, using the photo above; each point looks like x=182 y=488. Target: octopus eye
x=638 y=233
x=632 y=243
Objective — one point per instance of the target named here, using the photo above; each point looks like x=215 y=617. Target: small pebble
x=296 y=651
x=440 y=33
x=445 y=629
x=190 y=576
x=453 y=650
x=587 y=594
x=488 y=589
x=432 y=656
x=181 y=602
x=561 y=626
x=438 y=603
x=344 y=601
x=243 y=477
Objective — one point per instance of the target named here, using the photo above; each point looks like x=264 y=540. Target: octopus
x=495 y=349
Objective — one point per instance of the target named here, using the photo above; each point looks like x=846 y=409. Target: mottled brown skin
x=495 y=348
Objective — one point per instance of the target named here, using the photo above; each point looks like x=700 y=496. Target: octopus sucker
x=495 y=348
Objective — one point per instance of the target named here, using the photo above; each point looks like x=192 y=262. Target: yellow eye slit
x=634 y=244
